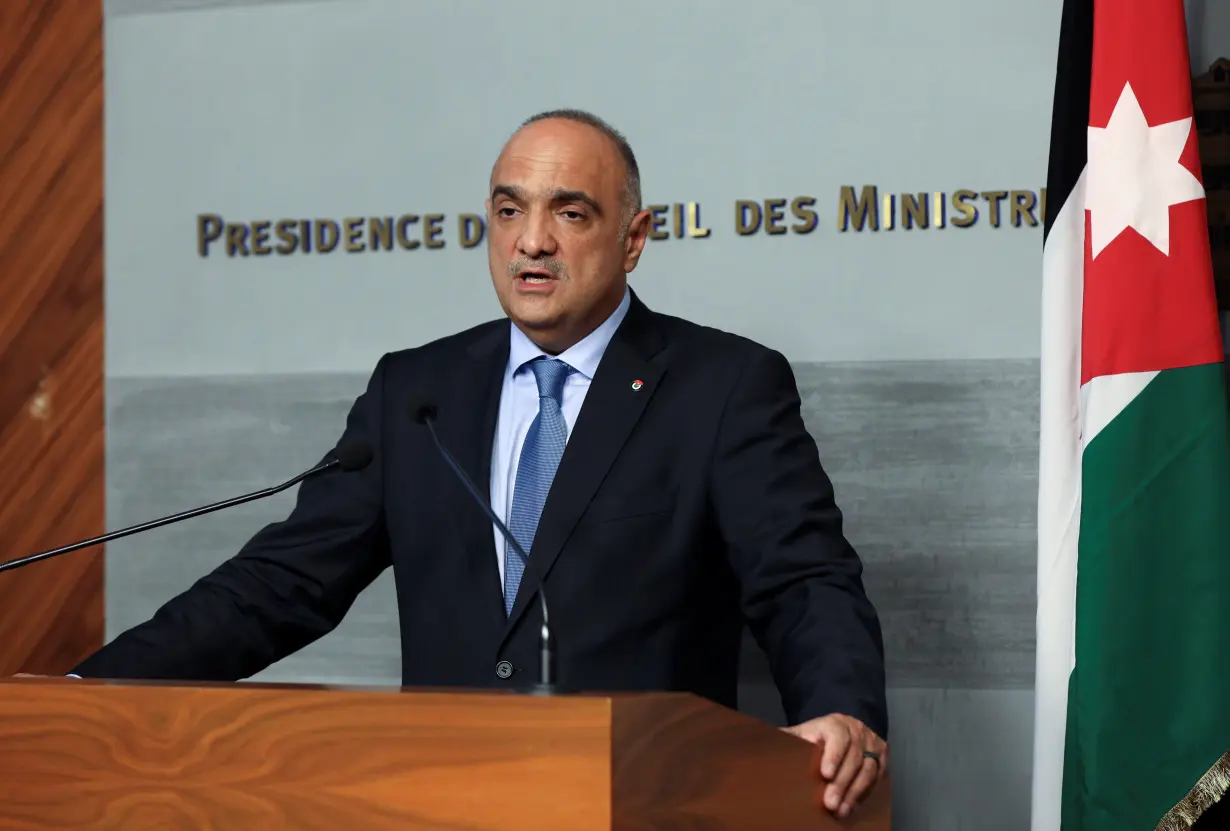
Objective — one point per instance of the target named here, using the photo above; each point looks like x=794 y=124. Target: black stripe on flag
x=1070 y=110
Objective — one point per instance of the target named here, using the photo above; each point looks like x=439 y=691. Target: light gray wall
x=381 y=107
x=931 y=461
x=915 y=352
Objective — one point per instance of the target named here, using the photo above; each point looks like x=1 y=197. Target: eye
x=507 y=210
x=574 y=214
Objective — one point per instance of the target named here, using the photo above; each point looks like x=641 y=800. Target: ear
x=635 y=239
x=487 y=208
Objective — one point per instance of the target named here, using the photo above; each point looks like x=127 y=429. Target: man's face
x=555 y=245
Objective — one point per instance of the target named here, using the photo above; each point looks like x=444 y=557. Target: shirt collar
x=583 y=356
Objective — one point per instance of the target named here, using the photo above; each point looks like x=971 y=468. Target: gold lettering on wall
x=236 y=239
x=803 y=209
x=913 y=210
x=684 y=219
x=1021 y=205
x=691 y=221
x=404 y=239
x=967 y=211
x=657 y=221
x=888 y=211
x=747 y=217
x=260 y=238
x=939 y=210
x=433 y=228
x=859 y=208
x=354 y=234
x=470 y=230
x=208 y=230
x=994 y=197
x=868 y=208
x=380 y=233
x=774 y=216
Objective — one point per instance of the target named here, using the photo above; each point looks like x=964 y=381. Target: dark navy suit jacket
x=681 y=510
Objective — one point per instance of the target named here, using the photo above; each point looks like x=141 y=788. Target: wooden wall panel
x=51 y=329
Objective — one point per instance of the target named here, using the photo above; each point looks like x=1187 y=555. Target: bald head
x=631 y=193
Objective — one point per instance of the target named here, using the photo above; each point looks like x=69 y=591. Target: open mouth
x=535 y=276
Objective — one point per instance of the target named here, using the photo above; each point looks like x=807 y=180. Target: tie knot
x=550 y=375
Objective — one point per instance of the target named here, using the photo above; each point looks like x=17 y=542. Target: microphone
x=424 y=412
x=351 y=455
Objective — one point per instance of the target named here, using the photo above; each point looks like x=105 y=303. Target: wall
x=916 y=350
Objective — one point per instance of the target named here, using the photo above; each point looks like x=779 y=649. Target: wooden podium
x=108 y=754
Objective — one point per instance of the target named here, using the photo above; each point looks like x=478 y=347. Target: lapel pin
x=637 y=384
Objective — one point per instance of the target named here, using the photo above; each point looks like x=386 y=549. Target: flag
x=1132 y=707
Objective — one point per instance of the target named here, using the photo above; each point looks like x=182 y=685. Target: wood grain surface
x=103 y=754
x=51 y=329
x=679 y=763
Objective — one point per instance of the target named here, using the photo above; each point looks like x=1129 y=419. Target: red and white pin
x=637 y=384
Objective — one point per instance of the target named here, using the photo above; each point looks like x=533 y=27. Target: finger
x=800 y=731
x=817 y=759
x=835 y=739
x=850 y=766
x=860 y=787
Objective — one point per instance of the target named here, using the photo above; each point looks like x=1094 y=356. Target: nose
x=537 y=240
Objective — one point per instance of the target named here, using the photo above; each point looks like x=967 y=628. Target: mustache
x=554 y=267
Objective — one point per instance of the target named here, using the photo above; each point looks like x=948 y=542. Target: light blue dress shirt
x=519 y=406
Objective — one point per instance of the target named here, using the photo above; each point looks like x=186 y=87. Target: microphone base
x=545 y=690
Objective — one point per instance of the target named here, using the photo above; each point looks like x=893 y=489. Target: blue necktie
x=540 y=456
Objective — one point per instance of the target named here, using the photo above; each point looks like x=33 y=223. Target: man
x=657 y=472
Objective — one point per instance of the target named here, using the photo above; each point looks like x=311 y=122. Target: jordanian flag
x=1133 y=664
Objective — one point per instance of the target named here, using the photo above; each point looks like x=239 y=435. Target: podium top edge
x=390 y=689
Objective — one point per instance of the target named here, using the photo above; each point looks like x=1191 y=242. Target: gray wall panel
x=957 y=755
x=932 y=462
x=117 y=8
x=174 y=444
x=935 y=466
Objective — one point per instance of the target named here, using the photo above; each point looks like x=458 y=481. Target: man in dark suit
x=684 y=497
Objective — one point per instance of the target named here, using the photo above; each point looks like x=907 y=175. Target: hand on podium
x=849 y=760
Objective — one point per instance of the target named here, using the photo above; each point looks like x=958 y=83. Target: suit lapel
x=469 y=434
x=612 y=407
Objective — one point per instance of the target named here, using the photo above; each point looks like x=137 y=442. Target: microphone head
x=422 y=409
x=354 y=454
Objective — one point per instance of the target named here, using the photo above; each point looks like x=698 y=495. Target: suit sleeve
x=801 y=580
x=289 y=585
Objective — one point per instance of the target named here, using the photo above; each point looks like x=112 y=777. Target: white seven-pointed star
x=1135 y=175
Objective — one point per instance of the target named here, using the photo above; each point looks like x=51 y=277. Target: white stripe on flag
x=1059 y=498
x=1104 y=397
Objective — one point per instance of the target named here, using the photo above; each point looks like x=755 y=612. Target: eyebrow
x=558 y=195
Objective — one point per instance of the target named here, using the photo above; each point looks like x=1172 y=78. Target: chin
x=533 y=312
x=537 y=323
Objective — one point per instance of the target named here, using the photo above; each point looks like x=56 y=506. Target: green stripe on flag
x=1149 y=700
